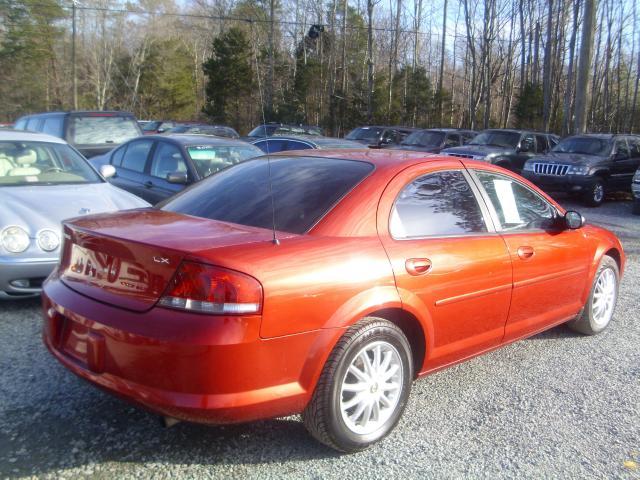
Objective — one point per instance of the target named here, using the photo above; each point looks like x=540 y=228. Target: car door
x=550 y=263
x=525 y=151
x=450 y=266
x=130 y=171
x=167 y=158
x=623 y=166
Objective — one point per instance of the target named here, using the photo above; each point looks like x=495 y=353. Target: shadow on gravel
x=559 y=332
x=105 y=430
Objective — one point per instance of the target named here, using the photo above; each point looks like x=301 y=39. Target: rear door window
x=622 y=149
x=304 y=190
x=101 y=130
x=436 y=204
x=53 y=126
x=33 y=123
x=167 y=159
x=135 y=158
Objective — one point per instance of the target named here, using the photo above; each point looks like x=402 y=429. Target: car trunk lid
x=127 y=259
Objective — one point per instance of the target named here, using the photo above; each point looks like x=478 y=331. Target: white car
x=43 y=181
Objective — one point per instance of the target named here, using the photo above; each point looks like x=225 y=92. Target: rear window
x=304 y=190
x=102 y=130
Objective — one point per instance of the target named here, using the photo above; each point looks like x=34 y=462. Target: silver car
x=42 y=182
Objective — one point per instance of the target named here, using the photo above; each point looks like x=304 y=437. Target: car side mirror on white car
x=108 y=171
x=573 y=220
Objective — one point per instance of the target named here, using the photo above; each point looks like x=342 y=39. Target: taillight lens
x=206 y=289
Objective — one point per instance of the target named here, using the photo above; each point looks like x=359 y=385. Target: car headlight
x=578 y=170
x=528 y=167
x=48 y=240
x=14 y=239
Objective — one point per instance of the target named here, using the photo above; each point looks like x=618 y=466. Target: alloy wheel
x=371 y=388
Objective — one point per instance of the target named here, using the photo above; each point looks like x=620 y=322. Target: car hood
x=45 y=206
x=479 y=150
x=569 y=158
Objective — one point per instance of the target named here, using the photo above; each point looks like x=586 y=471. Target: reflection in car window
x=496 y=138
x=99 y=130
x=584 y=146
x=517 y=207
x=436 y=204
x=424 y=138
x=304 y=189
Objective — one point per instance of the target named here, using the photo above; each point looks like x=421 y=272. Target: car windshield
x=304 y=189
x=210 y=159
x=424 y=139
x=40 y=163
x=496 y=139
x=365 y=133
x=263 y=131
x=100 y=130
x=584 y=145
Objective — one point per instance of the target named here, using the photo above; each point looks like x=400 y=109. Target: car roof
x=27 y=136
x=191 y=139
x=321 y=142
x=95 y=113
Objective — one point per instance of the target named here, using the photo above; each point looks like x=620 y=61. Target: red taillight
x=206 y=289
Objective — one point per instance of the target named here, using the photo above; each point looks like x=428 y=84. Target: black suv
x=378 y=136
x=507 y=148
x=92 y=133
x=589 y=165
x=434 y=140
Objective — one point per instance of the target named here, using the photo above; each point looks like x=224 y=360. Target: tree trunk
x=586 y=51
x=441 y=73
x=568 y=96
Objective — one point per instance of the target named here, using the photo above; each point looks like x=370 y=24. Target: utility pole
x=73 y=56
x=586 y=51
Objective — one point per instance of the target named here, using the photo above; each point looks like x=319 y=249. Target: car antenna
x=274 y=240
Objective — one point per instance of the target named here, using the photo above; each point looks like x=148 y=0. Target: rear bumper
x=35 y=271
x=563 y=183
x=192 y=367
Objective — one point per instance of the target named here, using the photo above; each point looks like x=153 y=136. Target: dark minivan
x=92 y=133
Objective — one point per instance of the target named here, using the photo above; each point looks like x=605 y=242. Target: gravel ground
x=556 y=405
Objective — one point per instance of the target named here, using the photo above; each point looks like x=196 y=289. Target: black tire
x=586 y=323
x=635 y=209
x=323 y=418
x=594 y=196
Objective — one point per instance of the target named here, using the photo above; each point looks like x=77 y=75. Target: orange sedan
x=320 y=284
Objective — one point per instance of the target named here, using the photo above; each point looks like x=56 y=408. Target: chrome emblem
x=161 y=260
x=84 y=211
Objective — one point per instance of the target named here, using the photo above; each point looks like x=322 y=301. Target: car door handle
x=418 y=266
x=148 y=184
x=525 y=252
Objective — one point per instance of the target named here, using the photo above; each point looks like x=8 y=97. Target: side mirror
x=524 y=148
x=178 y=178
x=108 y=171
x=573 y=220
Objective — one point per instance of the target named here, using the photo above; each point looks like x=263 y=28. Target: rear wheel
x=598 y=311
x=594 y=196
x=363 y=388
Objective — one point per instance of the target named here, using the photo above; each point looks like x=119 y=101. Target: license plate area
x=83 y=345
